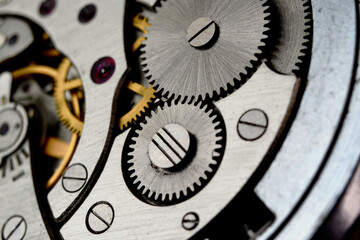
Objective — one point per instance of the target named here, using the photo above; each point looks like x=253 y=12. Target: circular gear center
x=203 y=32
x=169 y=147
x=11 y=128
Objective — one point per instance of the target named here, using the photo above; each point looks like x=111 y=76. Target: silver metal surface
x=169 y=146
x=100 y=217
x=240 y=160
x=20 y=199
x=13 y=120
x=107 y=29
x=5 y=87
x=14 y=229
x=18 y=36
x=293 y=18
x=175 y=68
x=201 y=32
x=334 y=177
x=149 y=3
x=2 y=39
x=74 y=178
x=199 y=121
x=252 y=124
x=319 y=115
x=19 y=212
x=13 y=128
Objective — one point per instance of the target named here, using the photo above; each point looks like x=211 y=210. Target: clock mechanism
x=169 y=119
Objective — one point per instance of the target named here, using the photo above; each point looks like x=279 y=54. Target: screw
x=74 y=178
x=252 y=125
x=190 y=221
x=14 y=228
x=100 y=217
x=87 y=13
x=169 y=146
x=202 y=32
x=102 y=70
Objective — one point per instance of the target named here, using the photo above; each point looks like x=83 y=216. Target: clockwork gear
x=147 y=95
x=292 y=37
x=175 y=152
x=200 y=48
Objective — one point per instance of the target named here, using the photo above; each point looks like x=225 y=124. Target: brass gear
x=53 y=145
x=147 y=93
x=62 y=85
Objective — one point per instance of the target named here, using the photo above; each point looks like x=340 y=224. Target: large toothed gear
x=292 y=37
x=199 y=48
x=175 y=152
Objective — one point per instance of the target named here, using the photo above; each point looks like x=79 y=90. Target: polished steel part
x=148 y=3
x=175 y=68
x=16 y=183
x=5 y=87
x=13 y=120
x=107 y=28
x=170 y=146
x=292 y=35
x=276 y=100
x=20 y=198
x=199 y=121
x=201 y=32
x=18 y=36
x=315 y=128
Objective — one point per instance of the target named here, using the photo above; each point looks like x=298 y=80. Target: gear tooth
x=157 y=196
x=133 y=176
x=166 y=114
x=170 y=196
x=176 y=91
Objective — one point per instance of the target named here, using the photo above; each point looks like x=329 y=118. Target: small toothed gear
x=199 y=48
x=147 y=96
x=174 y=153
x=71 y=119
x=292 y=35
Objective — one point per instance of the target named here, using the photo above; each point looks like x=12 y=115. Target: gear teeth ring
x=178 y=70
x=147 y=180
x=292 y=37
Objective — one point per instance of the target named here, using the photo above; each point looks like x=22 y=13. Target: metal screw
x=74 y=178
x=252 y=125
x=169 y=146
x=202 y=32
x=100 y=217
x=14 y=228
x=190 y=221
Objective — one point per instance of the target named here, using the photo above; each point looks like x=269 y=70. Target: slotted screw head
x=202 y=32
x=252 y=125
x=169 y=146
